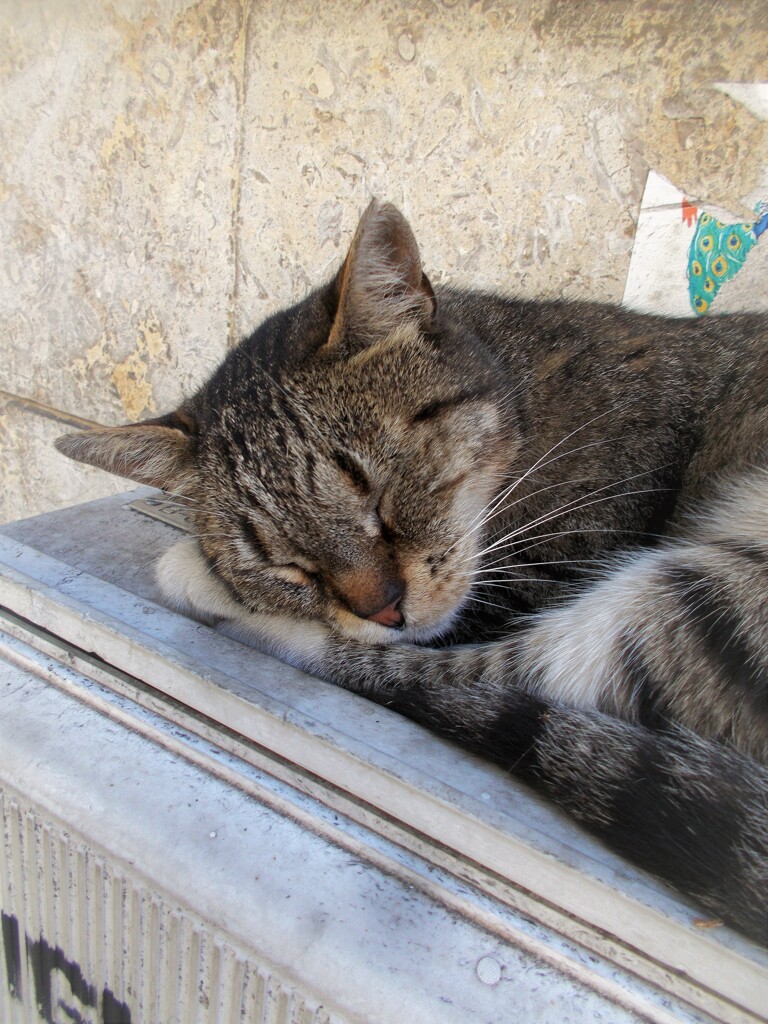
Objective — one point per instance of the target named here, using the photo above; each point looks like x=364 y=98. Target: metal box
x=194 y=832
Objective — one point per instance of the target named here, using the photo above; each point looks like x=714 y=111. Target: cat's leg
x=688 y=810
x=677 y=633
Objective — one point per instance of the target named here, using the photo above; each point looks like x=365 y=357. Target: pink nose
x=389 y=616
x=372 y=595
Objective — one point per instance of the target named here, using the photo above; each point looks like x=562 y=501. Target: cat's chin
x=364 y=631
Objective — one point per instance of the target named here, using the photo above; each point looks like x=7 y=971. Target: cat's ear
x=159 y=452
x=381 y=283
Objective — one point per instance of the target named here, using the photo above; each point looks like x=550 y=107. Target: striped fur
x=540 y=529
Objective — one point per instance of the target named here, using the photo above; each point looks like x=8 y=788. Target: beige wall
x=172 y=172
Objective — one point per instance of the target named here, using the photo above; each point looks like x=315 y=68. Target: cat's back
x=606 y=334
x=568 y=361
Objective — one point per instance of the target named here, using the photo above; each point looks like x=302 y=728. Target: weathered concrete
x=120 y=130
x=173 y=173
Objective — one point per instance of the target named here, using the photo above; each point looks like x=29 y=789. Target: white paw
x=300 y=642
x=185 y=578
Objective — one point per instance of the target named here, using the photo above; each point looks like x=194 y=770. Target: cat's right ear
x=381 y=284
x=159 y=452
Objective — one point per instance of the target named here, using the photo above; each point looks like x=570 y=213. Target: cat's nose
x=389 y=614
x=373 y=596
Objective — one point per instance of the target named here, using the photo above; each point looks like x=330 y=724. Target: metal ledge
x=382 y=772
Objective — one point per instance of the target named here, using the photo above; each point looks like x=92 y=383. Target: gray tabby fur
x=541 y=529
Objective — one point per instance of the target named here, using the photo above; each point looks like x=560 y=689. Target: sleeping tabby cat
x=539 y=528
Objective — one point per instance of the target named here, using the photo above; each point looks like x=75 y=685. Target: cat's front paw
x=186 y=580
x=300 y=642
x=189 y=584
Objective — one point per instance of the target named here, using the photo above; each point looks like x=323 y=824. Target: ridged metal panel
x=83 y=942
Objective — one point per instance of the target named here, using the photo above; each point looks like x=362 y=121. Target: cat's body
x=380 y=468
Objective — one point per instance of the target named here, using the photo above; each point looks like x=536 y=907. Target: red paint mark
x=689 y=213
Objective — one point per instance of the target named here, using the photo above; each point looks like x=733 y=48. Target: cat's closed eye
x=442 y=488
x=432 y=410
x=295 y=574
x=254 y=540
x=298 y=574
x=385 y=519
x=353 y=471
x=386 y=527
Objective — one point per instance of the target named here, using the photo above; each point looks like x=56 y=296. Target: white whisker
x=578 y=504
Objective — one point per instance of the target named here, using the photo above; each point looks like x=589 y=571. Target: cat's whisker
x=578 y=504
x=504 y=585
x=558 y=483
x=523 y=544
x=517 y=537
x=558 y=513
x=485 y=570
x=489 y=604
x=179 y=496
x=520 y=545
x=496 y=504
x=510 y=552
x=538 y=463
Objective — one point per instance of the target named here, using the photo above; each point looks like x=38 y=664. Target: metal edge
x=681 y=960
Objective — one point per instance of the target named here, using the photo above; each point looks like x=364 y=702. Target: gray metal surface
x=184 y=897
x=470 y=848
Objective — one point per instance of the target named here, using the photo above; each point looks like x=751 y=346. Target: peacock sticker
x=717 y=252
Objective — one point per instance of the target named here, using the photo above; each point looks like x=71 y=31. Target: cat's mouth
x=394 y=625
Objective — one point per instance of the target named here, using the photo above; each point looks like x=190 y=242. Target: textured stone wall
x=171 y=173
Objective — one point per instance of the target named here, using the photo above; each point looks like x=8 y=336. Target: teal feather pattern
x=717 y=253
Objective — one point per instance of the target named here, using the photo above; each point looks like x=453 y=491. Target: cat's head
x=337 y=463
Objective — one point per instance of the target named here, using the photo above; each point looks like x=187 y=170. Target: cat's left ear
x=381 y=284
x=159 y=452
